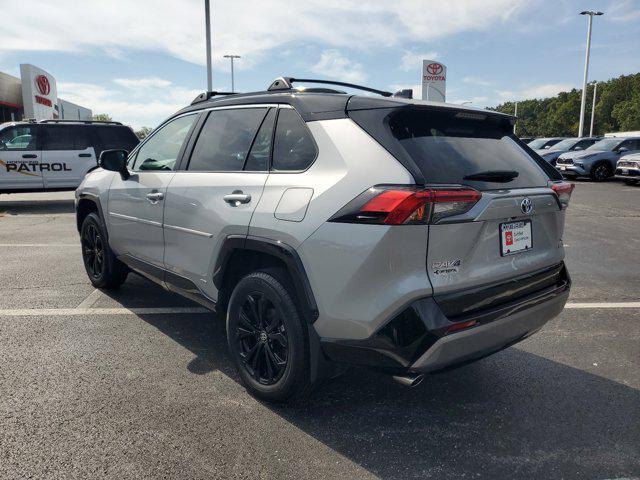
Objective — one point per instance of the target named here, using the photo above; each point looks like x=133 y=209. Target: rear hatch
x=512 y=231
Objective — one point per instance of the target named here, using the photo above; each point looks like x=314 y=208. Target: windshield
x=606 y=145
x=538 y=143
x=565 y=144
x=450 y=150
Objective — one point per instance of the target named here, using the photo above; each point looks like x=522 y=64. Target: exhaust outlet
x=409 y=380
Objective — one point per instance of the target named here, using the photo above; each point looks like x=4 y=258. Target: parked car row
x=595 y=157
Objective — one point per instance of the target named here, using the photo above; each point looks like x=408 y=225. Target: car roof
x=324 y=105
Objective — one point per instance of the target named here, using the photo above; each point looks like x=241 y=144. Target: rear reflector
x=456 y=327
x=400 y=205
x=563 y=191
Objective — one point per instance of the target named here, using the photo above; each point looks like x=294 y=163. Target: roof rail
x=88 y=122
x=204 y=96
x=285 y=83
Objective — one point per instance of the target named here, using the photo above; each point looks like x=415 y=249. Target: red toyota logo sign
x=43 y=84
x=434 y=68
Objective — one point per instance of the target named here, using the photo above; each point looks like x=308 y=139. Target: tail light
x=563 y=191
x=406 y=205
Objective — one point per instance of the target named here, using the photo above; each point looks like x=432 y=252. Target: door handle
x=236 y=198
x=85 y=155
x=29 y=155
x=155 y=197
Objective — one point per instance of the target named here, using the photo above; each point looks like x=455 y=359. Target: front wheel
x=102 y=266
x=267 y=337
x=600 y=172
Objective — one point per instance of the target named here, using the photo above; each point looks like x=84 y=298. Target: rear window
x=65 y=137
x=447 y=148
x=116 y=137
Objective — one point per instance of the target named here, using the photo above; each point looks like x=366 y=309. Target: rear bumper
x=483 y=340
x=420 y=337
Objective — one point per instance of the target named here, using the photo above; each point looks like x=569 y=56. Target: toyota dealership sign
x=434 y=81
x=39 y=93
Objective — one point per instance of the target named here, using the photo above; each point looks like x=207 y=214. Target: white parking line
x=75 y=245
x=91 y=299
x=63 y=312
x=603 y=305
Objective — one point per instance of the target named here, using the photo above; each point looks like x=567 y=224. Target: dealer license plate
x=515 y=237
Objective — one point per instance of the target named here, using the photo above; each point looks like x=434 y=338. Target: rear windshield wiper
x=499 y=176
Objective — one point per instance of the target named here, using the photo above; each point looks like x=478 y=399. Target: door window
x=161 y=150
x=225 y=140
x=260 y=154
x=294 y=148
x=19 y=138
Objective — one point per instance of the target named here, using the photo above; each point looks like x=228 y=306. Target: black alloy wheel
x=600 y=172
x=261 y=338
x=93 y=252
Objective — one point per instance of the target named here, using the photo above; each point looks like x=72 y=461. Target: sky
x=140 y=61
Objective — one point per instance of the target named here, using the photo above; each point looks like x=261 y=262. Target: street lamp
x=231 y=57
x=586 y=68
x=207 y=24
x=593 y=107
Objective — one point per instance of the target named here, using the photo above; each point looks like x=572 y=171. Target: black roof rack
x=285 y=83
x=88 y=122
x=204 y=96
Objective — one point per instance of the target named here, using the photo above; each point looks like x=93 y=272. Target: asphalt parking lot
x=138 y=383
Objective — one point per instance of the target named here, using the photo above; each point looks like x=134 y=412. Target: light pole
x=515 y=114
x=231 y=57
x=586 y=69
x=593 y=107
x=207 y=23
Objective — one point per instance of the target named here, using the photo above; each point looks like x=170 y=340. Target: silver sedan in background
x=576 y=144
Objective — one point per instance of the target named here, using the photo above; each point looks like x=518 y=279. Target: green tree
x=617 y=109
x=102 y=117
x=143 y=132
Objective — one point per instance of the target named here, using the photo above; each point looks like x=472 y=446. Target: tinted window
x=65 y=137
x=18 y=138
x=116 y=137
x=447 y=149
x=260 y=154
x=225 y=140
x=294 y=148
x=631 y=144
x=161 y=150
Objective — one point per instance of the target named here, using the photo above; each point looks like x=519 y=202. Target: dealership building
x=35 y=95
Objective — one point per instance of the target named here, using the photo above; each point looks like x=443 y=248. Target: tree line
x=617 y=109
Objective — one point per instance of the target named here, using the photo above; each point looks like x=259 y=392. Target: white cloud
x=624 y=11
x=413 y=61
x=147 y=109
x=245 y=27
x=334 y=65
x=538 y=91
x=137 y=83
x=476 y=81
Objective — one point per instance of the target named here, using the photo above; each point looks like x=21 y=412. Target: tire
x=600 y=172
x=268 y=338
x=103 y=268
x=630 y=181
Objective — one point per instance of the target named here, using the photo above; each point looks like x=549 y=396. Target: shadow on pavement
x=513 y=415
x=35 y=207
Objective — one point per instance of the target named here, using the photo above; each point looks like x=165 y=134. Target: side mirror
x=622 y=150
x=577 y=149
x=115 y=161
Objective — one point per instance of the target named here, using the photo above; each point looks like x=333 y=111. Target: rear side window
x=448 y=149
x=294 y=148
x=111 y=137
x=65 y=137
x=225 y=140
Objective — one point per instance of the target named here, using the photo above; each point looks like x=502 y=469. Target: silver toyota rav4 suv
x=400 y=235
